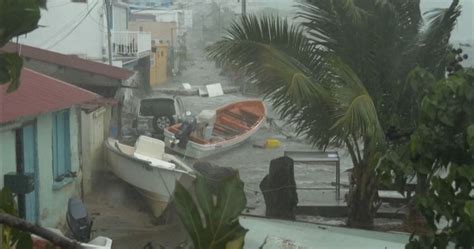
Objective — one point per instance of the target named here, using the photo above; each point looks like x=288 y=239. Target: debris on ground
x=186 y=86
x=272 y=144
x=214 y=90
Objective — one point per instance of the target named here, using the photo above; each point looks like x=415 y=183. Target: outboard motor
x=78 y=220
x=187 y=127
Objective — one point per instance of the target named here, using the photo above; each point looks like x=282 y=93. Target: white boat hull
x=154 y=183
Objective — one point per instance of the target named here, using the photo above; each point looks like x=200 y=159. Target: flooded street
x=253 y=163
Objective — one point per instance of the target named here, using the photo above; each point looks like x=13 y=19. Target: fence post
x=279 y=189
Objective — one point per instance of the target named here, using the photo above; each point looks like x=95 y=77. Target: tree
x=441 y=151
x=341 y=75
x=212 y=221
x=15 y=232
x=17 y=17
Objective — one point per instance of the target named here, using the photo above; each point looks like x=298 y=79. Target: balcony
x=127 y=45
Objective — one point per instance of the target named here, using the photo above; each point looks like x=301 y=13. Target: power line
x=59 y=5
x=62 y=28
x=75 y=27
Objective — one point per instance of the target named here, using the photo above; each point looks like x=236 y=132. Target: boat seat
x=237 y=124
x=248 y=117
x=232 y=114
x=150 y=147
x=151 y=150
x=155 y=161
x=249 y=112
x=225 y=129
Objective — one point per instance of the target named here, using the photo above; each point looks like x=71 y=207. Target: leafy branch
x=213 y=221
x=16 y=231
x=23 y=225
x=17 y=17
x=443 y=142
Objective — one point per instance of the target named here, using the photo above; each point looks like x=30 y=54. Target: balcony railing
x=130 y=44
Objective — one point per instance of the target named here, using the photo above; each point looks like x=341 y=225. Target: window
x=61 y=145
x=157 y=107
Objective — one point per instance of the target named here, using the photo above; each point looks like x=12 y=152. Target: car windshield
x=157 y=107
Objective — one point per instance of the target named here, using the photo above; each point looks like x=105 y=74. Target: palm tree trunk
x=363 y=194
x=361 y=199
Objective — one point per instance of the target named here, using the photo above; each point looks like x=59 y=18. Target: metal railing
x=131 y=44
x=323 y=157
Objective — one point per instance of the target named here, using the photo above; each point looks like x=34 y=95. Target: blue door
x=30 y=165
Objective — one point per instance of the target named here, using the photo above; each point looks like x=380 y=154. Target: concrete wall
x=7 y=153
x=164 y=31
x=120 y=18
x=53 y=197
x=142 y=67
x=77 y=28
x=95 y=129
x=59 y=32
x=53 y=200
x=100 y=84
x=159 y=67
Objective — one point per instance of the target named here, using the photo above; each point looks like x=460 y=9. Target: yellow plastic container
x=272 y=143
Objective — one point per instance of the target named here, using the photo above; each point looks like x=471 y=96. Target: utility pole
x=108 y=11
x=244 y=7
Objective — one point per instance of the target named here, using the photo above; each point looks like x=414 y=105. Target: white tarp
x=215 y=90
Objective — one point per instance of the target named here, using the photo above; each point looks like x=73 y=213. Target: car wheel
x=160 y=123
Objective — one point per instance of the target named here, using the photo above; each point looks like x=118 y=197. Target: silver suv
x=154 y=115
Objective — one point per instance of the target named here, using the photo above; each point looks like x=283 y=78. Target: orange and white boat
x=218 y=130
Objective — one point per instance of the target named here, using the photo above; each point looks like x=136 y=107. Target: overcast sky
x=464 y=30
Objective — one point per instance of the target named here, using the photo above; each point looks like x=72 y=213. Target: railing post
x=130 y=44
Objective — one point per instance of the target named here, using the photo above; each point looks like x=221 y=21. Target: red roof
x=68 y=61
x=39 y=93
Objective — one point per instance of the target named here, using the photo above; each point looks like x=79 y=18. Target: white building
x=80 y=28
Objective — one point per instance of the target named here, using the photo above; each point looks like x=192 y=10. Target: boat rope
x=256 y=192
x=169 y=193
x=166 y=185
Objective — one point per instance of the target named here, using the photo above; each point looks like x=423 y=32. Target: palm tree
x=340 y=75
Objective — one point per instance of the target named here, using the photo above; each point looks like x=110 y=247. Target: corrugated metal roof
x=39 y=93
x=68 y=61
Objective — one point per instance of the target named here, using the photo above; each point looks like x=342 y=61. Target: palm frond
x=285 y=65
x=433 y=44
x=355 y=113
x=376 y=42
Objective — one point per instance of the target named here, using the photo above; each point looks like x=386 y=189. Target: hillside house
x=40 y=134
